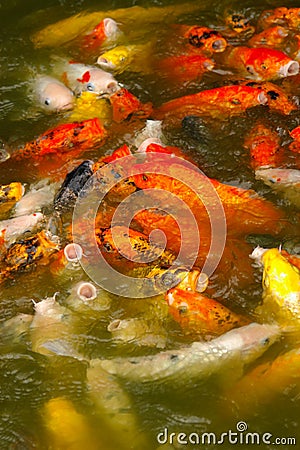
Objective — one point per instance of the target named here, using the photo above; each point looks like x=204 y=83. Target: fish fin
x=61 y=347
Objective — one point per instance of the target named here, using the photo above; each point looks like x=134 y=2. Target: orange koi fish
x=125 y=105
x=244 y=209
x=106 y=30
x=295 y=145
x=23 y=255
x=277 y=99
x=263 y=144
x=272 y=37
x=184 y=68
x=288 y=17
x=197 y=313
x=220 y=103
x=261 y=63
x=204 y=39
x=9 y=195
x=65 y=140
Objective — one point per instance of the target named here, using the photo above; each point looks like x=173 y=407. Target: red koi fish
x=184 y=68
x=106 y=30
x=288 y=17
x=272 y=37
x=125 y=105
x=261 y=63
x=220 y=103
x=295 y=145
x=263 y=144
x=199 y=314
x=203 y=39
x=65 y=140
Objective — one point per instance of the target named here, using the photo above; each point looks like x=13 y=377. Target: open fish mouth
x=104 y=63
x=289 y=69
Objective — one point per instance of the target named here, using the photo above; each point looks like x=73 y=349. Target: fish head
x=265 y=64
x=54 y=96
x=117 y=59
x=254 y=339
x=206 y=39
x=98 y=81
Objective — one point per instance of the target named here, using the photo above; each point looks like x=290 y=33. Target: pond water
x=29 y=380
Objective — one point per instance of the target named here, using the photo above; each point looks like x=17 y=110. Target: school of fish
x=100 y=123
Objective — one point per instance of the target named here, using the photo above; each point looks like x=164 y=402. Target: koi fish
x=137 y=330
x=184 y=68
x=199 y=314
x=51 y=95
x=276 y=97
x=9 y=195
x=237 y=25
x=261 y=63
x=272 y=37
x=217 y=103
x=125 y=105
x=68 y=29
x=200 y=360
x=263 y=144
x=89 y=106
x=281 y=287
x=66 y=262
x=72 y=186
x=80 y=78
x=134 y=58
x=13 y=229
x=87 y=300
x=16 y=328
x=24 y=254
x=106 y=31
x=60 y=419
x=285 y=181
x=64 y=140
x=204 y=39
x=295 y=145
x=288 y=17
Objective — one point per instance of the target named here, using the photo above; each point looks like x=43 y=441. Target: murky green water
x=28 y=380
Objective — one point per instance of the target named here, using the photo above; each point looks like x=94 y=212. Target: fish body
x=139 y=331
x=218 y=103
x=106 y=31
x=16 y=328
x=126 y=105
x=281 y=287
x=65 y=139
x=272 y=37
x=13 y=229
x=10 y=194
x=295 y=145
x=287 y=17
x=285 y=181
x=261 y=63
x=198 y=361
x=66 y=428
x=197 y=313
x=24 y=254
x=52 y=95
x=263 y=144
x=38 y=197
x=79 y=78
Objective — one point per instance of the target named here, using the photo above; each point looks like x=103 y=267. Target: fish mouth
x=105 y=63
x=66 y=107
x=262 y=98
x=73 y=252
x=219 y=45
x=86 y=291
x=289 y=69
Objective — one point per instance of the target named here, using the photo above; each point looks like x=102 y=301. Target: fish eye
x=108 y=247
x=263 y=66
x=47 y=101
x=90 y=87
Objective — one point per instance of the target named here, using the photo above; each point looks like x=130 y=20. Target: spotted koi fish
x=237 y=25
x=203 y=39
x=65 y=140
x=263 y=144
